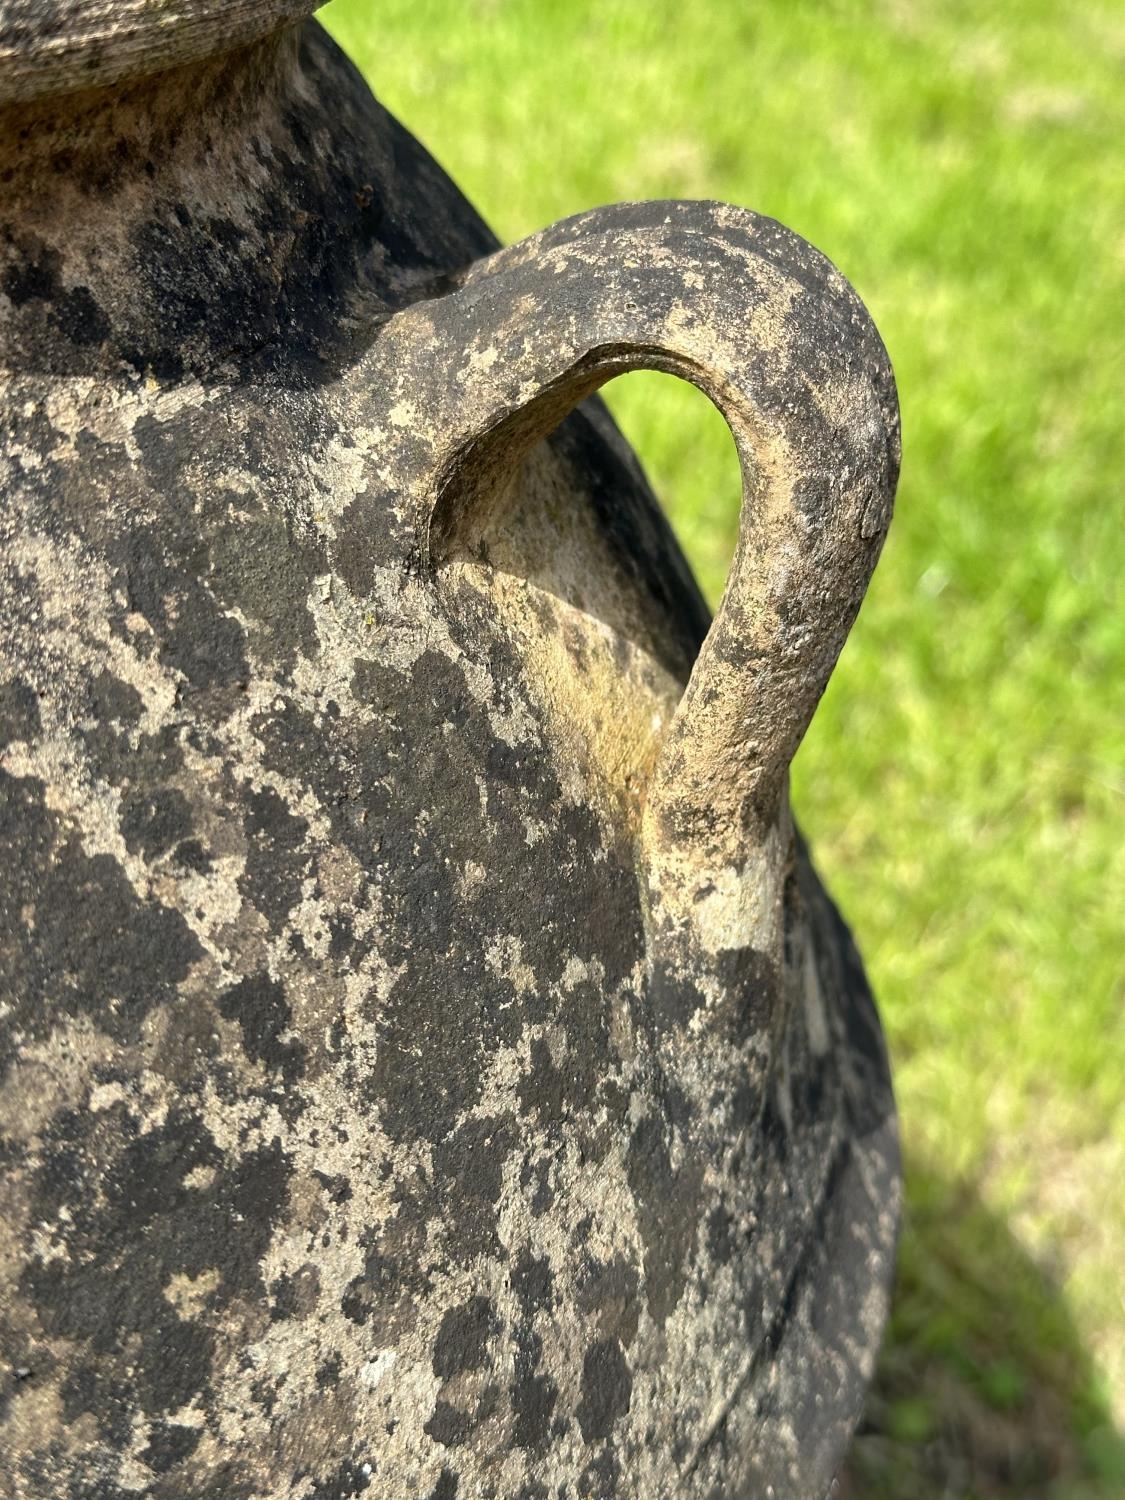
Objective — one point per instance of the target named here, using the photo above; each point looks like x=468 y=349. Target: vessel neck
x=173 y=224
x=102 y=141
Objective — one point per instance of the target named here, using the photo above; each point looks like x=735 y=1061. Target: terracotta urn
x=430 y=1065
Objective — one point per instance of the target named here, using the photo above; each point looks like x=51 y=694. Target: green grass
x=963 y=780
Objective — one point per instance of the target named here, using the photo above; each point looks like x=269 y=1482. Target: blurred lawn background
x=962 y=784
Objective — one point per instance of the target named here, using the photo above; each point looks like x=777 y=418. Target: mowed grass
x=963 y=781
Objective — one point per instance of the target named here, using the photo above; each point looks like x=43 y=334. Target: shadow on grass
x=983 y=1390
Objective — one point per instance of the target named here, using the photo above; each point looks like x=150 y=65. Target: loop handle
x=773 y=334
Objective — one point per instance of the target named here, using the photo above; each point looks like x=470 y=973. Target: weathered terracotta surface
x=429 y=1064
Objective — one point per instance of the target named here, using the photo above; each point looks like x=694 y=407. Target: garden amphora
x=429 y=1064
